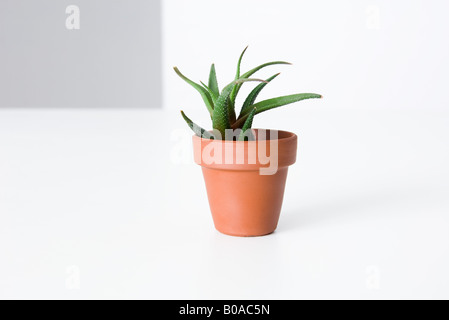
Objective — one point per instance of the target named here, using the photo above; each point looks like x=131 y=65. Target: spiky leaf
x=220 y=117
x=275 y=103
x=214 y=97
x=247 y=126
x=247 y=105
x=207 y=98
x=213 y=82
x=231 y=103
x=250 y=73
x=200 y=132
x=237 y=76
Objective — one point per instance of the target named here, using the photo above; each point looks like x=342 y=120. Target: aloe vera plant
x=221 y=104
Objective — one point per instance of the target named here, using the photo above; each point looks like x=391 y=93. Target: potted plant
x=245 y=169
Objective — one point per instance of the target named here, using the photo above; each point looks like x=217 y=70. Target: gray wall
x=113 y=60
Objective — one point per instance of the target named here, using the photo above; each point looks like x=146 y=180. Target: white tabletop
x=108 y=204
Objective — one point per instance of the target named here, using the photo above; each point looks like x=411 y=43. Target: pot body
x=245 y=192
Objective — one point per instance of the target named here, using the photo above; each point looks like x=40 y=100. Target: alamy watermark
x=73 y=20
x=373 y=17
x=373 y=277
x=263 y=151
x=73 y=279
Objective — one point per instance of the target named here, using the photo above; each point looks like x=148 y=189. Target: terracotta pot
x=243 y=199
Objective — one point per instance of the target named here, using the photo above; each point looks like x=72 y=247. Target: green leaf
x=205 y=87
x=274 y=103
x=200 y=132
x=207 y=98
x=247 y=126
x=282 y=101
x=237 y=76
x=214 y=97
x=231 y=110
x=213 y=82
x=250 y=73
x=231 y=103
x=253 y=71
x=247 y=105
x=220 y=117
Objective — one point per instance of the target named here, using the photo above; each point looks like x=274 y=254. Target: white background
x=108 y=204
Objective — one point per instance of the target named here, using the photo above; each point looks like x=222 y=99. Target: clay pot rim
x=289 y=136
